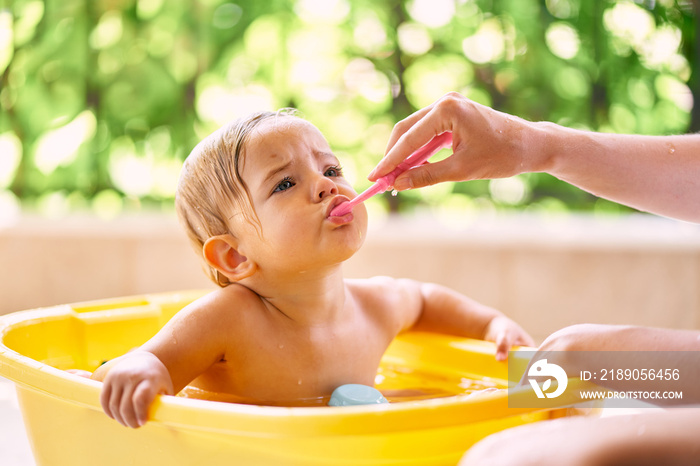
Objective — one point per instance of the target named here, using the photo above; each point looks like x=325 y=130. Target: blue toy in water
x=353 y=394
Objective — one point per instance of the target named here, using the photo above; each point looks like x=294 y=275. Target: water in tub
x=424 y=385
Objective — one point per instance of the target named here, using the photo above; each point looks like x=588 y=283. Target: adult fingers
x=414 y=132
x=431 y=125
x=404 y=125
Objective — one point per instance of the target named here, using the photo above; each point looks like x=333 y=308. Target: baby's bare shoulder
x=206 y=327
x=224 y=306
x=392 y=298
x=383 y=287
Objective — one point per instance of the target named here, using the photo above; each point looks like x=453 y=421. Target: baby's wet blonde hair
x=211 y=192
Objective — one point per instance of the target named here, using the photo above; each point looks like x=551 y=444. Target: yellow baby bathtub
x=66 y=425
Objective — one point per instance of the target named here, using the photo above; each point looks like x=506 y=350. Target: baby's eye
x=333 y=171
x=284 y=185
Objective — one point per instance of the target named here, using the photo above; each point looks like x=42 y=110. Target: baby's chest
x=327 y=359
x=287 y=369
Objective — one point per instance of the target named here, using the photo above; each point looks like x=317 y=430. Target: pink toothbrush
x=419 y=157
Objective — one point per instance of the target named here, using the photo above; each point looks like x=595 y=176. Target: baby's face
x=294 y=182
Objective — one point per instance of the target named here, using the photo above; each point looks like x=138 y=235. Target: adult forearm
x=658 y=174
x=660 y=437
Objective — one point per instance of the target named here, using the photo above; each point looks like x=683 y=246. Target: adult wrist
x=546 y=146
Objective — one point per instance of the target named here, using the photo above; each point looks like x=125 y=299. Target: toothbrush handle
x=345 y=208
x=377 y=188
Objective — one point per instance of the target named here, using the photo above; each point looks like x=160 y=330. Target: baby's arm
x=184 y=348
x=446 y=311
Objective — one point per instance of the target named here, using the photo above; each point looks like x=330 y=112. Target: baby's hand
x=506 y=333
x=130 y=386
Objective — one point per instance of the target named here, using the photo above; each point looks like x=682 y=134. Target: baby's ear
x=221 y=252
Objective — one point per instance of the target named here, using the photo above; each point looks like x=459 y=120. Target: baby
x=255 y=198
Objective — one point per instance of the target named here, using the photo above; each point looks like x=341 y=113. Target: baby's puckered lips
x=338 y=219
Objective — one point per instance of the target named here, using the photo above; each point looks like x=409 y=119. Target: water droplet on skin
x=299 y=381
x=394 y=193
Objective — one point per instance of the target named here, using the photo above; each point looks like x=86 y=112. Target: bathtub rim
x=212 y=416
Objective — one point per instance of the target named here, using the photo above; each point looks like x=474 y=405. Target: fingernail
x=402 y=184
x=372 y=174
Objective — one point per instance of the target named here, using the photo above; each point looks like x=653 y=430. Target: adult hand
x=591 y=347
x=659 y=174
x=485 y=144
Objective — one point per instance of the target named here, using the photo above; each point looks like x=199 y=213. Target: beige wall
x=545 y=273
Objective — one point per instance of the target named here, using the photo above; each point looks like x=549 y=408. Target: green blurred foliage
x=101 y=100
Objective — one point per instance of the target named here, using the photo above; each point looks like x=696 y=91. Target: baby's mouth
x=335 y=203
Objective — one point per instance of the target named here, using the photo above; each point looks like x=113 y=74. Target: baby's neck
x=310 y=298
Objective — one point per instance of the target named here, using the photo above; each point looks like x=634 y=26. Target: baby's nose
x=326 y=187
